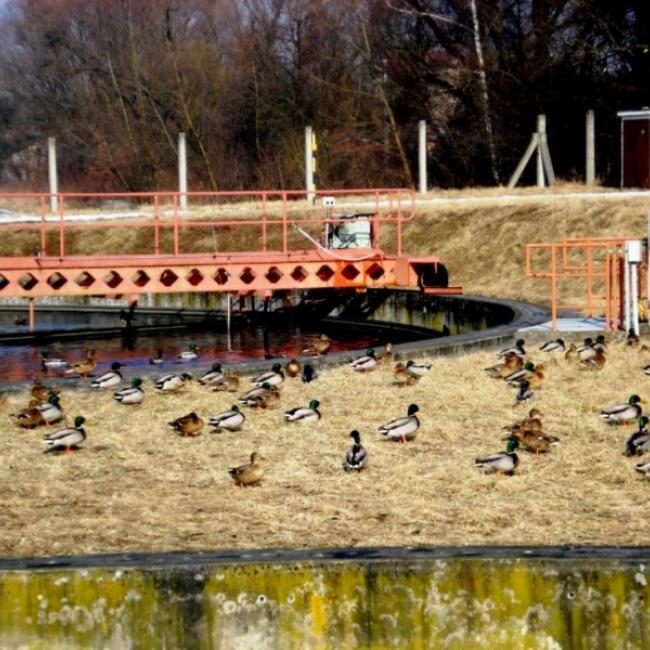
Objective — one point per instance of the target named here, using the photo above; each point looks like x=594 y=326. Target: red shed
x=635 y=148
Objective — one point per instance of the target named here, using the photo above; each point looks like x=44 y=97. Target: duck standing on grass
x=188 y=426
x=249 y=474
x=623 y=413
x=309 y=373
x=525 y=393
x=51 y=411
x=109 y=379
x=356 y=458
x=213 y=376
x=639 y=442
x=366 y=363
x=292 y=368
x=131 y=395
x=402 y=429
x=67 y=439
x=304 y=414
x=231 y=420
x=172 y=383
x=503 y=463
x=273 y=378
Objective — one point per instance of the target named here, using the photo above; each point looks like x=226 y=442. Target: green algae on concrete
x=450 y=602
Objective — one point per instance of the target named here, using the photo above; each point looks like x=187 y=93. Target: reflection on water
x=23 y=361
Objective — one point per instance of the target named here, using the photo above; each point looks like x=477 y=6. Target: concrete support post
x=309 y=166
x=182 y=171
x=626 y=285
x=590 y=149
x=541 y=134
x=52 y=174
x=635 y=298
x=422 y=155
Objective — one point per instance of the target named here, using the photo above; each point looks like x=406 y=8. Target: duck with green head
x=503 y=462
x=402 y=429
x=231 y=420
x=364 y=363
x=190 y=354
x=625 y=413
x=273 y=378
x=304 y=414
x=356 y=459
x=639 y=442
x=51 y=411
x=516 y=349
x=131 y=395
x=213 y=376
x=67 y=439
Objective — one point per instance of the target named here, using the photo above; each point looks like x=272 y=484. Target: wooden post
x=52 y=174
x=422 y=155
x=541 y=134
x=309 y=166
x=590 y=149
x=31 y=315
x=514 y=179
x=182 y=170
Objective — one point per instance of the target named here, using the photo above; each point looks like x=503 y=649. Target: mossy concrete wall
x=394 y=600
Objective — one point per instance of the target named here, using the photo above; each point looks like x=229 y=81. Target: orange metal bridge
x=239 y=242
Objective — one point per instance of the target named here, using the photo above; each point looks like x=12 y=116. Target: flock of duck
x=527 y=377
x=514 y=368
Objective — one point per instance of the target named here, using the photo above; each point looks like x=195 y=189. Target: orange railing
x=600 y=264
x=273 y=211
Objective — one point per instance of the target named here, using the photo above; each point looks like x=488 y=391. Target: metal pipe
x=228 y=318
x=635 y=298
x=309 y=169
x=541 y=134
x=626 y=285
x=590 y=149
x=31 y=315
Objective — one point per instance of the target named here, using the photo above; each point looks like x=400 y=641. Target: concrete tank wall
x=421 y=602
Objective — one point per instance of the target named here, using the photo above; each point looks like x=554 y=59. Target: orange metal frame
x=169 y=266
x=602 y=267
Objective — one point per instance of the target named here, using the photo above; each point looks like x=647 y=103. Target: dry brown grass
x=137 y=486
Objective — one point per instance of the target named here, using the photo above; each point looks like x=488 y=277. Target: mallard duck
x=600 y=343
x=29 y=417
x=231 y=420
x=524 y=373
x=553 y=346
x=525 y=393
x=189 y=355
x=68 y=438
x=643 y=468
x=356 y=458
x=41 y=392
x=517 y=349
x=572 y=353
x=262 y=396
x=511 y=363
x=402 y=429
x=320 y=346
x=537 y=378
x=189 y=425
x=52 y=362
x=131 y=395
x=249 y=474
x=639 y=442
x=293 y=368
x=646 y=370
x=633 y=338
x=597 y=362
x=388 y=356
x=534 y=440
x=158 y=359
x=304 y=414
x=503 y=462
x=51 y=411
x=274 y=378
x=623 y=413
x=532 y=423
x=586 y=350
x=230 y=383
x=402 y=376
x=213 y=376
x=172 y=383
x=417 y=369
x=109 y=379
x=364 y=363
x=85 y=367
x=309 y=373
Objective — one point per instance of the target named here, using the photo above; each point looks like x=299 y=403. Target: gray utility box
x=350 y=231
